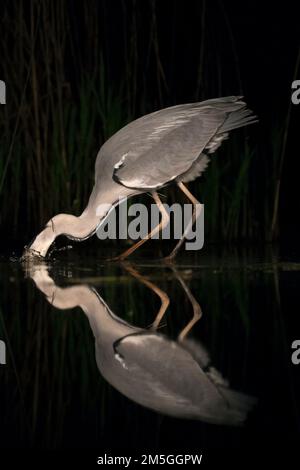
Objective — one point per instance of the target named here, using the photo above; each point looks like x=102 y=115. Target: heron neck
x=105 y=326
x=82 y=227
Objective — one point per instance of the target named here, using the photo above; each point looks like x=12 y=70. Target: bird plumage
x=160 y=147
x=170 y=145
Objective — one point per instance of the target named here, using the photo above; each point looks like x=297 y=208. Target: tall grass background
x=77 y=72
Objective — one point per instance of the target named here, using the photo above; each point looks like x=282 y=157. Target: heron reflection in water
x=174 y=378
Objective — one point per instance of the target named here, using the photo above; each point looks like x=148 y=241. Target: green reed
x=63 y=104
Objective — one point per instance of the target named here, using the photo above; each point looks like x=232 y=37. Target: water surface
x=65 y=384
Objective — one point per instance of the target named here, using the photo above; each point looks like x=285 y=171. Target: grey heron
x=167 y=146
x=174 y=378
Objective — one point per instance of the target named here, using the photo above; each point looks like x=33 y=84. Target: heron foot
x=119 y=258
x=169 y=259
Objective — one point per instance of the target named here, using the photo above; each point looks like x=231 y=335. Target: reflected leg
x=165 y=301
x=197 y=312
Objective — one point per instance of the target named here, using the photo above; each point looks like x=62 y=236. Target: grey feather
x=163 y=146
x=195 y=170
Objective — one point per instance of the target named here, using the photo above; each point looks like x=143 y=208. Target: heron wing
x=157 y=148
x=201 y=163
x=167 y=377
x=195 y=170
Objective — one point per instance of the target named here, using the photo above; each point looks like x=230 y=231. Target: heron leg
x=197 y=207
x=165 y=301
x=164 y=221
x=197 y=311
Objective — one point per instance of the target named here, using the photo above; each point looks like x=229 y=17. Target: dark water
x=54 y=394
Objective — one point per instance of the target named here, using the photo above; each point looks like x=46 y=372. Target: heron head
x=38 y=248
x=75 y=228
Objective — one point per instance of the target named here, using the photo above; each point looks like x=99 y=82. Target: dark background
x=77 y=71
